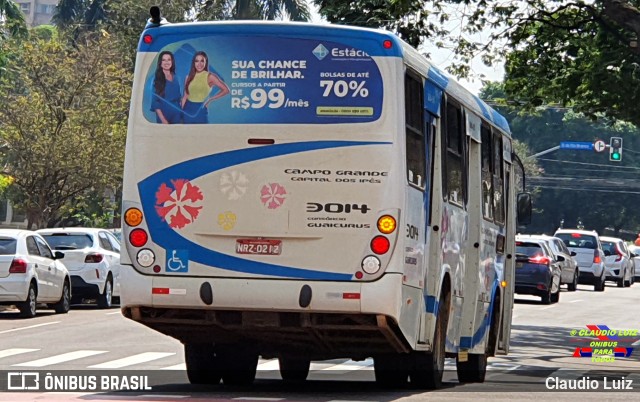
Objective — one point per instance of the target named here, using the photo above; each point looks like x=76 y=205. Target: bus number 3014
x=336 y=208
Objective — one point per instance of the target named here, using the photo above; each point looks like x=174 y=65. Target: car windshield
x=7 y=246
x=577 y=240
x=68 y=241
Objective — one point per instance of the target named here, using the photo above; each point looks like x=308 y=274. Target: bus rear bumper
x=317 y=319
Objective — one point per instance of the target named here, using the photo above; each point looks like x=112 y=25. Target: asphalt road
x=93 y=342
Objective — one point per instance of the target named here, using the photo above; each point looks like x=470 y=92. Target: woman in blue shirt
x=166 y=91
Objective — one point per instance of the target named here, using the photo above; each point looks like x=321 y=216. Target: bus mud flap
x=390 y=335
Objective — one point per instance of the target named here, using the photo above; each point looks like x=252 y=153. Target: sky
x=441 y=58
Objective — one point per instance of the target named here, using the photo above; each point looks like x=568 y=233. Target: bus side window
x=498 y=178
x=414 y=124
x=455 y=151
x=487 y=173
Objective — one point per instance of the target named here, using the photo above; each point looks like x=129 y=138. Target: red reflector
x=359 y=275
x=380 y=245
x=160 y=291
x=18 y=266
x=93 y=258
x=542 y=286
x=147 y=39
x=138 y=237
x=351 y=296
x=387 y=44
x=260 y=141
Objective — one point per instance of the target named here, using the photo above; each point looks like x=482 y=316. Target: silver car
x=617 y=261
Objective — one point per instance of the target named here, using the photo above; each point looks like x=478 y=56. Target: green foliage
x=574 y=53
x=63 y=120
x=575 y=185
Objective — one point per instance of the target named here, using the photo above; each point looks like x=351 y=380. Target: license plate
x=258 y=246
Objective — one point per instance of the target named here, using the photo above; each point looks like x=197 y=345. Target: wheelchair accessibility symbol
x=178 y=262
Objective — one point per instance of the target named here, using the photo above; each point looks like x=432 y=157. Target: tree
x=13 y=18
x=63 y=121
x=578 y=53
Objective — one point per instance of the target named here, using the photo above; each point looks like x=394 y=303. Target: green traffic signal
x=615 y=156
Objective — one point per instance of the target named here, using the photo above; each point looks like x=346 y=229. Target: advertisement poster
x=261 y=80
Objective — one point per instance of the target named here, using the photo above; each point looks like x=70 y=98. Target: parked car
x=617 y=261
x=569 y=266
x=31 y=274
x=537 y=270
x=93 y=259
x=635 y=256
x=589 y=255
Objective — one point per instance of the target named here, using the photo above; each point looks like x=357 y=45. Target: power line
x=587 y=189
x=590 y=164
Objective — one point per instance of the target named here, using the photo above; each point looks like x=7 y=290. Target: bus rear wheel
x=203 y=366
x=428 y=368
x=473 y=370
x=391 y=370
x=239 y=365
x=294 y=370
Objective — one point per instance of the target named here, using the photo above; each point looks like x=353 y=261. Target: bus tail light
x=147 y=39
x=145 y=257
x=370 y=265
x=380 y=245
x=138 y=237
x=133 y=217
x=386 y=224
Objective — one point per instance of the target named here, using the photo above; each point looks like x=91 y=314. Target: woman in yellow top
x=197 y=89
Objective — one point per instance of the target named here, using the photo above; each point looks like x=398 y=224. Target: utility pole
x=544 y=152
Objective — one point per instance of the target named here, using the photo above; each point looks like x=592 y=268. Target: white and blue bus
x=309 y=192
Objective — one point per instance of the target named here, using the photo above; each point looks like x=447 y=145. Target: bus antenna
x=155 y=15
x=156 y=18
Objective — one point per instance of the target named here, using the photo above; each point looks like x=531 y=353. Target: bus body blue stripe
x=192 y=169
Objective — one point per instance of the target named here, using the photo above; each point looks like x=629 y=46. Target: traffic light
x=615 y=149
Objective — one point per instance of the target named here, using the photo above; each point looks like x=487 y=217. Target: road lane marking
x=181 y=367
x=269 y=365
x=115 y=312
x=29 y=327
x=547 y=308
x=16 y=351
x=350 y=365
x=575 y=301
x=164 y=396
x=65 y=357
x=131 y=360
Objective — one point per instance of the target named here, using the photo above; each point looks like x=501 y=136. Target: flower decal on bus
x=179 y=203
x=273 y=195
x=233 y=185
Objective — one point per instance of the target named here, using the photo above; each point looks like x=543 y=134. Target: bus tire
x=294 y=370
x=239 y=365
x=428 y=368
x=473 y=370
x=391 y=370
x=202 y=364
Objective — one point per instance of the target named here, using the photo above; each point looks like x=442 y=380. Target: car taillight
x=380 y=245
x=619 y=253
x=18 y=266
x=540 y=259
x=93 y=258
x=596 y=257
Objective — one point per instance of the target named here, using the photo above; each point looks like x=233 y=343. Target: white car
x=635 y=256
x=92 y=257
x=589 y=255
x=30 y=273
x=618 y=263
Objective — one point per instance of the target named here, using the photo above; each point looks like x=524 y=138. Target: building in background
x=37 y=12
